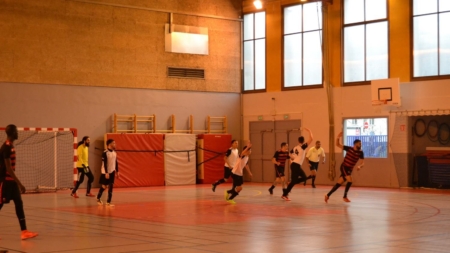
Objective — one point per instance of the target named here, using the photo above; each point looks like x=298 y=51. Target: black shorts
x=237 y=180
x=279 y=171
x=296 y=172
x=9 y=190
x=226 y=172
x=345 y=171
x=104 y=181
x=313 y=165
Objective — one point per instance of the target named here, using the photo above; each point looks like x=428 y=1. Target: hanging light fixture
x=258 y=4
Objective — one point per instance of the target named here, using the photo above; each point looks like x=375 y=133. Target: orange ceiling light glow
x=258 y=4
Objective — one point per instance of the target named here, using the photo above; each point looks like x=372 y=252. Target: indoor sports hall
x=175 y=83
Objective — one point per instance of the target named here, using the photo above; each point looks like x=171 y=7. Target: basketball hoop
x=379 y=102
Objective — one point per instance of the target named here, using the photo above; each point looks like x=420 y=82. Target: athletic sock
x=335 y=187
x=234 y=194
x=347 y=187
x=221 y=181
x=100 y=192
x=313 y=179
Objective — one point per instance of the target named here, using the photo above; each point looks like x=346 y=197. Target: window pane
x=444 y=5
x=375 y=9
x=424 y=6
x=312 y=16
x=353 y=11
x=248 y=27
x=377 y=51
x=260 y=64
x=354 y=53
x=248 y=65
x=293 y=19
x=425 y=46
x=260 y=25
x=312 y=59
x=373 y=133
x=444 y=35
x=293 y=60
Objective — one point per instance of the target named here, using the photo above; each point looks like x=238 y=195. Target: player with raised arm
x=351 y=159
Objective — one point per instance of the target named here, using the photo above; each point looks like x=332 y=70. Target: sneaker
x=286 y=198
x=74 y=195
x=213 y=186
x=109 y=204
x=225 y=194
x=271 y=191
x=313 y=186
x=90 y=195
x=346 y=199
x=99 y=201
x=231 y=201
x=326 y=198
x=27 y=235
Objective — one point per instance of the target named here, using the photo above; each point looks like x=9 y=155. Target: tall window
x=431 y=50
x=255 y=51
x=303 y=45
x=365 y=40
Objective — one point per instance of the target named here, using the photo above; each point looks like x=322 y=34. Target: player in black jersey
x=279 y=161
x=10 y=185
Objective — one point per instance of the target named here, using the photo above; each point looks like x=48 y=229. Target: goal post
x=46 y=157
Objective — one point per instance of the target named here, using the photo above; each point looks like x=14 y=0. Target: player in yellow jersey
x=83 y=167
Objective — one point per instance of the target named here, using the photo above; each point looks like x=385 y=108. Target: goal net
x=45 y=157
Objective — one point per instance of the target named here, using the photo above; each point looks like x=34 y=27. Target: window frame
x=365 y=23
x=368 y=118
x=302 y=87
x=423 y=78
x=265 y=49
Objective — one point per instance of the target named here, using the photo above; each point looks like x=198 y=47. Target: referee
x=314 y=154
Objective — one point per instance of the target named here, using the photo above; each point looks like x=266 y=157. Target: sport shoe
x=271 y=191
x=286 y=198
x=225 y=194
x=326 y=198
x=346 y=199
x=74 y=195
x=90 y=195
x=27 y=235
x=99 y=201
x=313 y=186
x=213 y=186
x=231 y=201
x=109 y=204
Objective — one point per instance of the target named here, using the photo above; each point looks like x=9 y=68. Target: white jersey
x=298 y=153
x=109 y=161
x=314 y=154
x=232 y=155
x=238 y=168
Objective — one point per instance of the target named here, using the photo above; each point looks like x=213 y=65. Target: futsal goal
x=46 y=158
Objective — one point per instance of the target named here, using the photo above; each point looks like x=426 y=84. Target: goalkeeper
x=83 y=167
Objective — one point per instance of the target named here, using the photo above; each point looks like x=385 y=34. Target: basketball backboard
x=386 y=92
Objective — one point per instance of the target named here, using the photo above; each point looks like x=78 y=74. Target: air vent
x=186 y=73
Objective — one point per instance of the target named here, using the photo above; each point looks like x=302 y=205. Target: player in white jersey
x=238 y=174
x=109 y=169
x=314 y=154
x=230 y=159
x=297 y=155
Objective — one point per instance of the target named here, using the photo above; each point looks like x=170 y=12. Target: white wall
x=310 y=105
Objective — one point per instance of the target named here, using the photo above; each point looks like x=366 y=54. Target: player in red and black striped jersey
x=354 y=154
x=279 y=160
x=10 y=186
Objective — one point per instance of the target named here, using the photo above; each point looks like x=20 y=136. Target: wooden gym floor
x=193 y=219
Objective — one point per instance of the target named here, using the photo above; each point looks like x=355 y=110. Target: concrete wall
x=89 y=109
x=69 y=42
x=311 y=107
